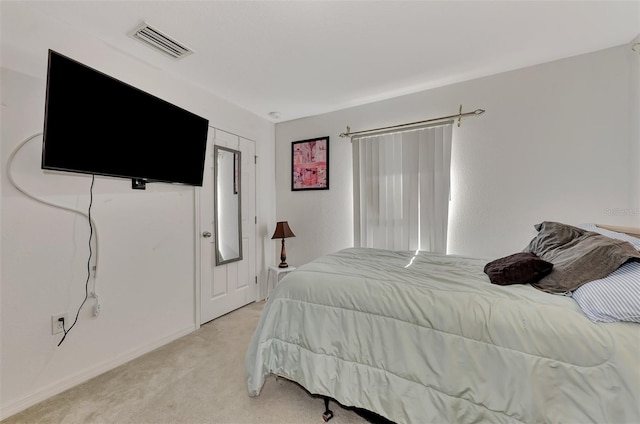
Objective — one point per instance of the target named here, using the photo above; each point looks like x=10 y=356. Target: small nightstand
x=277 y=273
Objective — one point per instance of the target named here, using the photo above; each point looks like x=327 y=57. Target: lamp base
x=283 y=257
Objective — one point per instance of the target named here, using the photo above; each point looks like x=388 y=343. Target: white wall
x=557 y=142
x=146 y=280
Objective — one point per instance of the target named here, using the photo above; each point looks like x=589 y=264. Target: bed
x=418 y=337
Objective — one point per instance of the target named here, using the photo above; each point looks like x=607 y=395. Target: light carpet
x=199 y=378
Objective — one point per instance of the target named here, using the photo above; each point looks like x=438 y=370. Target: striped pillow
x=613 y=298
x=617 y=296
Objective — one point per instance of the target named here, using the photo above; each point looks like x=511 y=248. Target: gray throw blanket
x=578 y=256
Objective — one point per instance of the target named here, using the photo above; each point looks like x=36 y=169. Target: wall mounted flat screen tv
x=96 y=124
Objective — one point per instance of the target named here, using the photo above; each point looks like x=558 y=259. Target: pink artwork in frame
x=310 y=164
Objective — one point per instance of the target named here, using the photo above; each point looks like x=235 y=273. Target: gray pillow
x=578 y=256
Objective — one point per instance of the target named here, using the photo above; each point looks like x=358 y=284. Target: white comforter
x=425 y=338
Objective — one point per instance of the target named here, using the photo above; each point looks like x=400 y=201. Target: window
x=401 y=189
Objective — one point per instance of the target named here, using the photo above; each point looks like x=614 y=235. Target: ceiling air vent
x=156 y=39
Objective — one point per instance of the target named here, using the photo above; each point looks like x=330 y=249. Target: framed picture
x=310 y=164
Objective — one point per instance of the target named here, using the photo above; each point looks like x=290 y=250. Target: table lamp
x=283 y=231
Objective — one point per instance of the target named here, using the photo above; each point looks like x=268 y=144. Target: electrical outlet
x=57 y=325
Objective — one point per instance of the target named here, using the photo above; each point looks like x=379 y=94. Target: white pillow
x=613 y=298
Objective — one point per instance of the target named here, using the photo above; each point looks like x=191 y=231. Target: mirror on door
x=228 y=223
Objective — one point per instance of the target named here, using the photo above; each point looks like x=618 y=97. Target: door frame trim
x=197 y=295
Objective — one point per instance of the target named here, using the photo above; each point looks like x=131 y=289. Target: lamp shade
x=282 y=231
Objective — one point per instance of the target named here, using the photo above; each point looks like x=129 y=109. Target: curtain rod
x=410 y=124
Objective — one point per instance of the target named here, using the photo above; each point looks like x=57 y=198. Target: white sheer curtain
x=401 y=189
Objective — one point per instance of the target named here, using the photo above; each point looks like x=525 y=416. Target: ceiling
x=303 y=58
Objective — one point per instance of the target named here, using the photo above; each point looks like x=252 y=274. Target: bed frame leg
x=328 y=414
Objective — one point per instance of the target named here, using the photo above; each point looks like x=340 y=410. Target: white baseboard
x=66 y=383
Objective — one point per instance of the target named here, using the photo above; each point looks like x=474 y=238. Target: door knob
x=206 y=234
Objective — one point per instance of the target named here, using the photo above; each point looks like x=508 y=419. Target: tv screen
x=96 y=124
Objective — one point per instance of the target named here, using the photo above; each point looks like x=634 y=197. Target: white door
x=227 y=287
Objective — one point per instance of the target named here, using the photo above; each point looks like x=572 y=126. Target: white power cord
x=96 y=306
x=44 y=202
